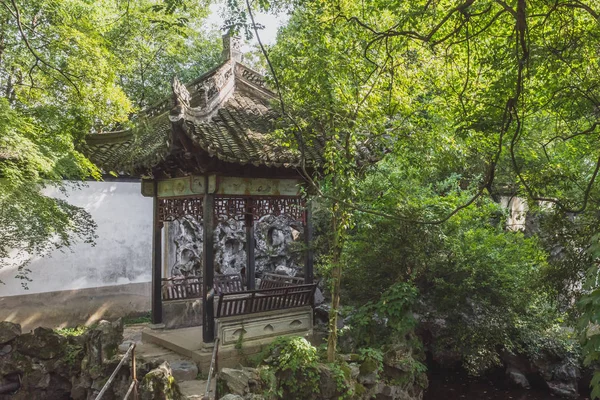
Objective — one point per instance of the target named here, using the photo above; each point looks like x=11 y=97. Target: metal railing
x=134 y=382
x=212 y=370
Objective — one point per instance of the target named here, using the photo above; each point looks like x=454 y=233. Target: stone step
x=193 y=389
x=185 y=370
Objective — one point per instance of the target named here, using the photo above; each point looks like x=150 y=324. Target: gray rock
x=123 y=347
x=354 y=370
x=566 y=390
x=237 y=381
x=43 y=343
x=158 y=384
x=561 y=375
x=254 y=396
x=284 y=270
x=231 y=396
x=567 y=372
x=184 y=370
x=9 y=331
x=517 y=378
x=274 y=236
x=322 y=312
x=81 y=386
x=38 y=378
x=328 y=386
x=368 y=379
x=4 y=350
x=111 y=336
x=79 y=392
x=382 y=391
x=319 y=298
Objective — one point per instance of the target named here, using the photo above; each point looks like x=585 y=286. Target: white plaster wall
x=123 y=251
x=517 y=212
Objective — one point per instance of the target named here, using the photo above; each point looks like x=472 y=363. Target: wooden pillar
x=250 y=245
x=156 y=262
x=309 y=258
x=208 y=298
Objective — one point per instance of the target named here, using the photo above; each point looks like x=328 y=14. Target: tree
x=509 y=89
x=67 y=69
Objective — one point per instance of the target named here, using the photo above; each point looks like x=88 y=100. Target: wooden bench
x=180 y=288
x=271 y=281
x=255 y=301
x=228 y=283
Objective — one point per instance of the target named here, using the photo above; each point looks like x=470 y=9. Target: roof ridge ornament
x=181 y=100
x=232 y=47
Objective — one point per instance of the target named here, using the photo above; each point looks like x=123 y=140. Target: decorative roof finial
x=181 y=100
x=232 y=47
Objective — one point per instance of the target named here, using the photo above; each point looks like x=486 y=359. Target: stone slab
x=252 y=327
x=194 y=389
x=183 y=341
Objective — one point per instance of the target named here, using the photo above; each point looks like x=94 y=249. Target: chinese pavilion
x=211 y=153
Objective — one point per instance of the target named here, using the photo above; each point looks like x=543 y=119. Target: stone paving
x=185 y=371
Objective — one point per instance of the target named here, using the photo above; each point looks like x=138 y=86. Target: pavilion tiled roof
x=243 y=132
x=131 y=151
x=226 y=113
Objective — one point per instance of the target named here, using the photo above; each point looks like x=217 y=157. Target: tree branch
x=17 y=15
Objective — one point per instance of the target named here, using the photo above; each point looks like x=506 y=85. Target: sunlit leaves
x=71 y=68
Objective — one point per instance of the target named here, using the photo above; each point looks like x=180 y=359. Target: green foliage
x=269 y=380
x=473 y=101
x=375 y=322
x=73 y=354
x=565 y=237
x=590 y=317
x=341 y=375
x=554 y=340
x=67 y=69
x=145 y=318
x=76 y=331
x=371 y=360
x=485 y=282
x=294 y=362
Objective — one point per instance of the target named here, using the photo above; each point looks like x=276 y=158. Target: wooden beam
x=208 y=298
x=309 y=258
x=156 y=263
x=250 y=245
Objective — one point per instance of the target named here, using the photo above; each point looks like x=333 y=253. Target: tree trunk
x=336 y=278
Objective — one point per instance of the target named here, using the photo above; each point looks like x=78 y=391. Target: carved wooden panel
x=172 y=209
x=237 y=207
x=292 y=207
x=230 y=208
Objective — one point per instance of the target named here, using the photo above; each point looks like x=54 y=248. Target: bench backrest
x=270 y=281
x=254 y=301
x=228 y=283
x=179 y=288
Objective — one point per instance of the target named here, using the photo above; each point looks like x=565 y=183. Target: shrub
x=294 y=361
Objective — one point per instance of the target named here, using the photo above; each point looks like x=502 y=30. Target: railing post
x=251 y=303
x=114 y=374
x=134 y=373
x=309 y=258
x=285 y=297
x=213 y=369
x=208 y=298
x=250 y=245
x=156 y=260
